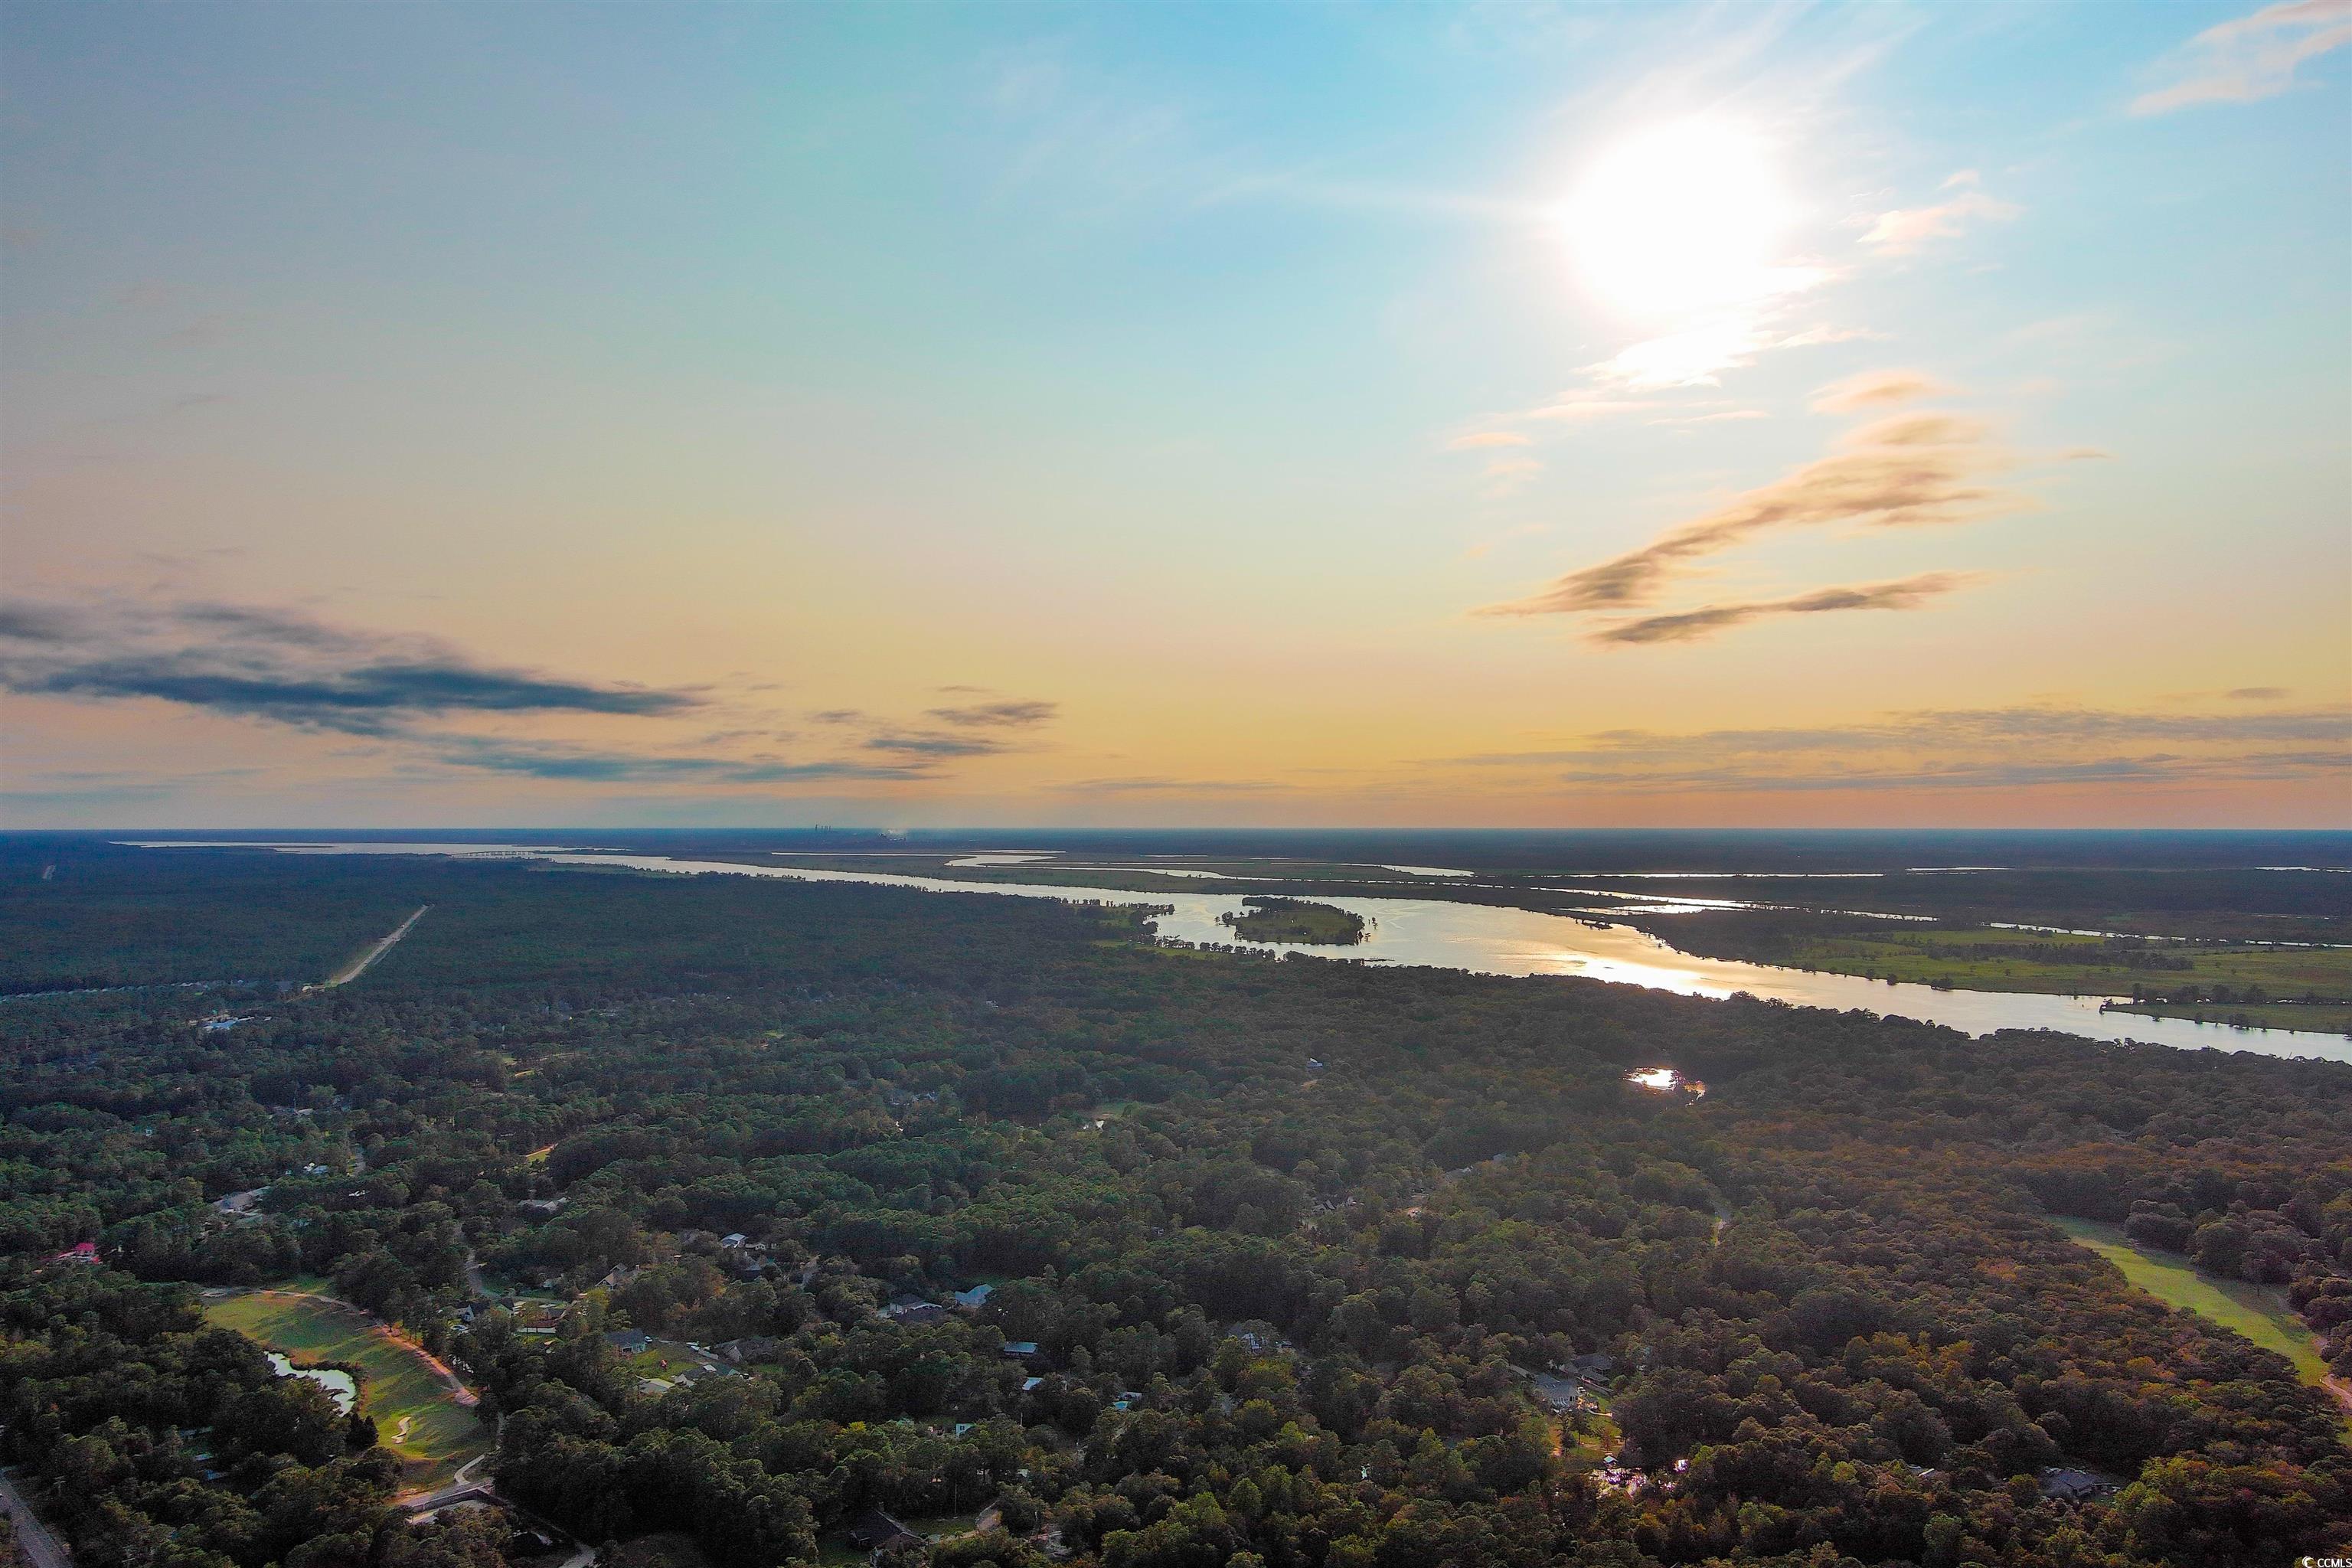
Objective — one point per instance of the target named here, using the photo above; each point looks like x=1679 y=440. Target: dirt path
x=359 y=966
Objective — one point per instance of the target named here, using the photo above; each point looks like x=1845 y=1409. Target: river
x=1480 y=939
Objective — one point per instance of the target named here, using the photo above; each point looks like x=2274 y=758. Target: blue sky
x=1253 y=392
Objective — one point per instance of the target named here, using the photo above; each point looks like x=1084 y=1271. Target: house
x=733 y=1238
x=914 y=1309
x=1031 y=1384
x=629 y=1341
x=79 y=1252
x=541 y=1206
x=537 y=1317
x=241 y=1205
x=877 y=1532
x=2064 y=1485
x=1558 y=1392
x=1020 y=1350
x=619 y=1275
x=1594 y=1367
x=758 y=1347
x=973 y=1300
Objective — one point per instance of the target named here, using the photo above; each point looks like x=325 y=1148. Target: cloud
x=930 y=743
x=36 y=624
x=1694 y=625
x=546 y=760
x=1875 y=389
x=1959 y=749
x=1727 y=417
x=1164 y=785
x=409 y=697
x=1478 y=439
x=2252 y=58
x=1906 y=230
x=1700 y=351
x=278 y=666
x=2255 y=693
x=1908 y=469
x=1580 y=406
x=997 y=715
x=1506 y=477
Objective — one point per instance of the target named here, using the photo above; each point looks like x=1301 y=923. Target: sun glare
x=1680 y=216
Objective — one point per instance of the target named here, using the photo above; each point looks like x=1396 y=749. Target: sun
x=1678 y=217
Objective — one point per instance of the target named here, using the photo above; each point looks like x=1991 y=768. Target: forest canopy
x=757 y=1211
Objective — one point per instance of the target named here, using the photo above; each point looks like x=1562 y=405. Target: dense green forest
x=1291 y=1264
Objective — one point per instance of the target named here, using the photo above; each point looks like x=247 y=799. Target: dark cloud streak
x=997 y=715
x=270 y=664
x=1694 y=625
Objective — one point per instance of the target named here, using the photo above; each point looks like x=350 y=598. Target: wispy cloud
x=1958 y=749
x=410 y=697
x=1910 y=468
x=286 y=668
x=1694 y=625
x=549 y=760
x=1728 y=415
x=1477 y=439
x=1874 y=390
x=1699 y=353
x=997 y=715
x=1906 y=230
x=2255 y=693
x=1159 y=785
x=1509 y=476
x=2252 y=58
x=933 y=743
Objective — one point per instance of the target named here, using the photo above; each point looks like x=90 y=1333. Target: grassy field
x=417 y=1414
x=1986 y=960
x=2260 y=1312
x=1585 y=1443
x=2325 y=1017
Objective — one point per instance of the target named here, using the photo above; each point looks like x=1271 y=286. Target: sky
x=916 y=416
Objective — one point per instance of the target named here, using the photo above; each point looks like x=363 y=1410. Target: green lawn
x=2323 y=1018
x=2260 y=1312
x=1586 y=1441
x=1979 y=959
x=418 y=1415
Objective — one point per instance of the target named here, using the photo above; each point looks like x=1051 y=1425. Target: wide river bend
x=1480 y=939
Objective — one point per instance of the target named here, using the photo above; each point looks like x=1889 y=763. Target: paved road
x=41 y=1549
x=358 y=967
